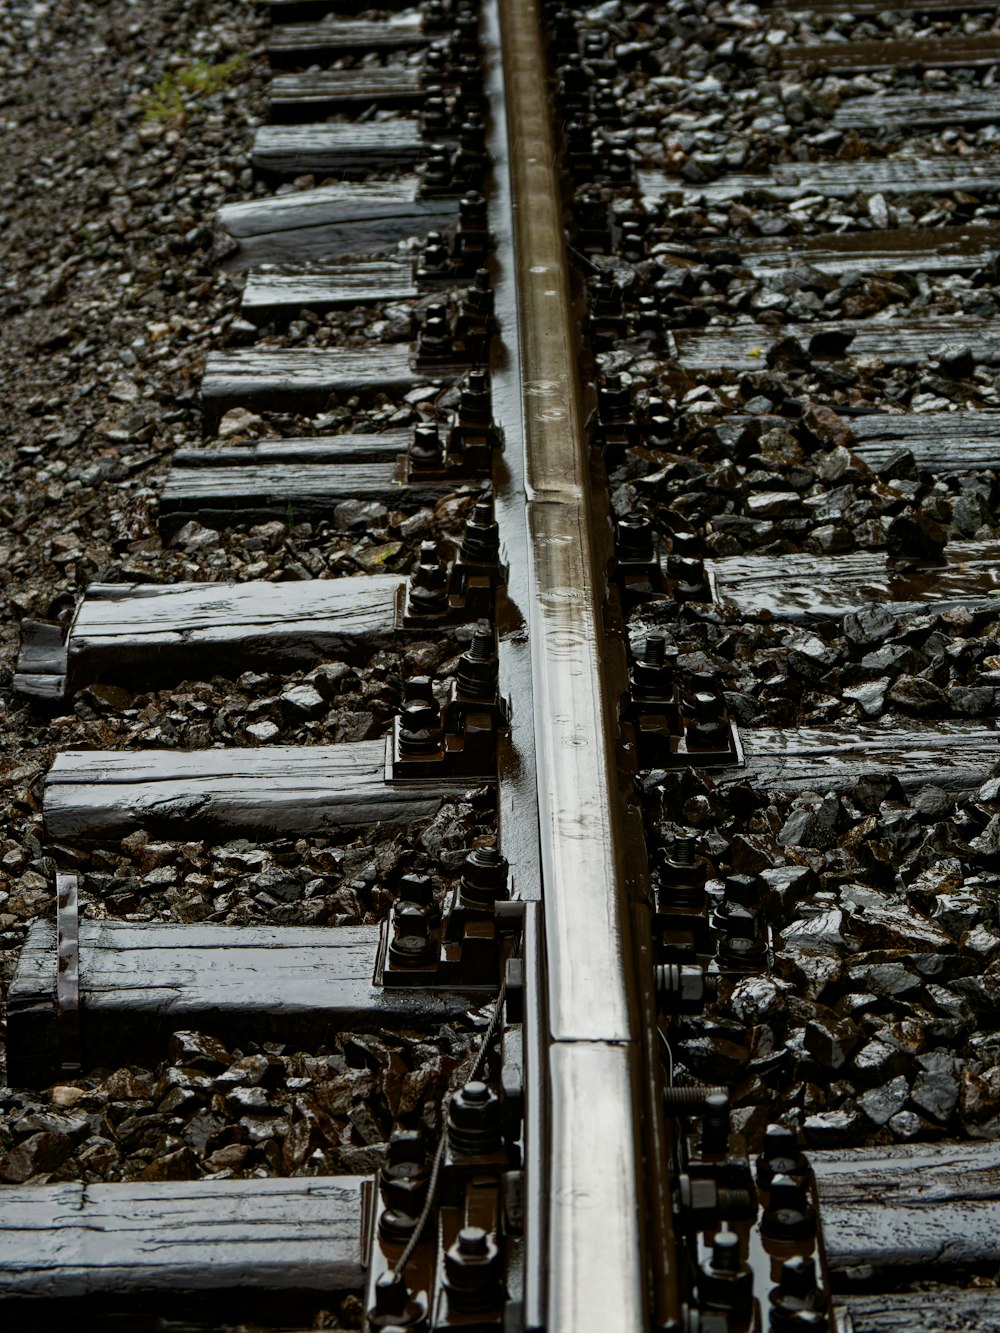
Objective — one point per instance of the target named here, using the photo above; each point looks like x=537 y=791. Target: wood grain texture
x=270 y=294
x=347 y=218
x=308 y=43
x=893 y=176
x=913 y=7
x=939 y=441
x=61 y=1242
x=317 y=92
x=141 y=631
x=953 y=755
x=910 y=250
x=944 y=1310
x=139 y=983
x=898 y=342
x=812 y=587
x=264 y=793
x=295 y=492
x=945 y=51
x=322 y=449
x=927 y=110
x=300 y=379
x=286 y=151
x=931 y=1205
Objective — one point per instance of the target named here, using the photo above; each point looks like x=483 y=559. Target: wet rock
x=104 y=698
x=194 y=1050
x=979 y=1103
x=302 y=701
x=882 y=1103
x=825 y=932
x=715 y=1058
x=869 y=696
x=935 y=1090
x=812 y=823
x=916 y=535
x=983 y=942
x=826 y=427
x=229 y=1158
x=830 y=1129
x=913 y=694
x=239 y=422
x=810 y=970
x=877 y=1062
x=41 y=1154
x=898 y=927
x=757 y=1000
x=892 y=980
x=750 y=855
x=772 y=504
x=931 y=803
x=987 y=844
x=177 y=1165
x=250 y=1101
x=363 y=1161
x=972 y=701
x=907 y=1126
x=893 y=660
x=963 y=910
x=831 y=1040
x=872 y=624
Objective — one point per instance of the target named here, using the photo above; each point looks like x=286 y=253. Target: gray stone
x=936 y=1088
x=881 y=1104
x=869 y=696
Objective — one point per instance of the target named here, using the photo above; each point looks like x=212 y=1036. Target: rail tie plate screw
x=684 y=989
x=652 y=673
x=472 y=1268
x=476 y=675
x=484 y=877
x=724 y=1281
x=394 y=1305
x=781 y=1156
x=789 y=1214
x=474 y=1121
x=412 y=944
x=426 y=449
x=715 y=1125
x=796 y=1302
x=428 y=591
x=419 y=719
x=481 y=542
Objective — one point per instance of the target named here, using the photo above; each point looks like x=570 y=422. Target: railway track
x=521 y=846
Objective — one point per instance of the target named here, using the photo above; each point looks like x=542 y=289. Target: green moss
x=198 y=79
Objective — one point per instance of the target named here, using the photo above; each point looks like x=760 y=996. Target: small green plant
x=198 y=79
x=289 y=516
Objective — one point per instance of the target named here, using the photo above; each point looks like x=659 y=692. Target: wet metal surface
x=595 y=1267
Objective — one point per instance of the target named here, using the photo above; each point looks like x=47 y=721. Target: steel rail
x=594 y=1256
